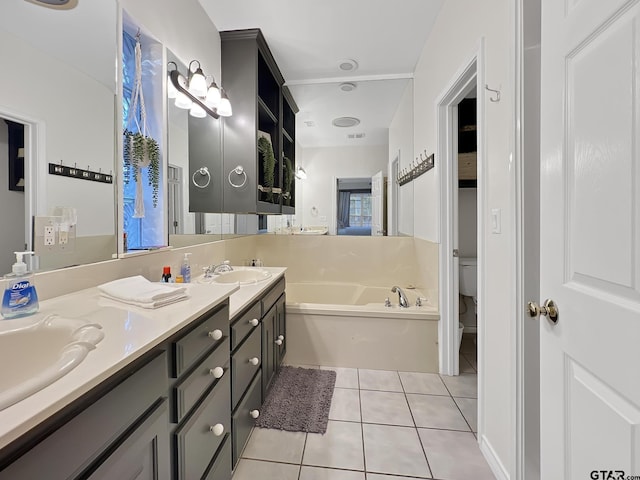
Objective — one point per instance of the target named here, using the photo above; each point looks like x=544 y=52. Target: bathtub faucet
x=402 y=298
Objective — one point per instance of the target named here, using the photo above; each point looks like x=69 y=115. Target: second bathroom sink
x=240 y=275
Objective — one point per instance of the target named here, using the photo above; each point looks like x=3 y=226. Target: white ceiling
x=309 y=39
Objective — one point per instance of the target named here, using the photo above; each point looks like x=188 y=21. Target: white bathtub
x=347 y=325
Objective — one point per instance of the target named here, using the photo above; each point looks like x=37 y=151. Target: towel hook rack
x=496 y=92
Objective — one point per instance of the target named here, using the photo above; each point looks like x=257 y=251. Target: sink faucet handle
x=419 y=302
x=387 y=302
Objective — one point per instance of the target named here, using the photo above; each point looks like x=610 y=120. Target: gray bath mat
x=299 y=400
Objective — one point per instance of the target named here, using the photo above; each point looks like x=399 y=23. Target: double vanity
x=167 y=393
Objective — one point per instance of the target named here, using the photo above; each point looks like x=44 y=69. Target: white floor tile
x=394 y=450
x=345 y=377
x=433 y=411
x=379 y=380
x=345 y=405
x=464 y=385
x=340 y=447
x=454 y=455
x=321 y=473
x=469 y=407
x=389 y=408
x=253 y=469
x=375 y=476
x=275 y=445
x=427 y=383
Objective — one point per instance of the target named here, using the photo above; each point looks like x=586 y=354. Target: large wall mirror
x=58 y=89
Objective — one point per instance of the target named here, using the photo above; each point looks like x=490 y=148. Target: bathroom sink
x=240 y=275
x=37 y=355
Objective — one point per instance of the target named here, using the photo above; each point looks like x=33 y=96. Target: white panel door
x=590 y=239
x=377 y=204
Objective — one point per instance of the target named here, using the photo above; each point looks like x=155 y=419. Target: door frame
x=472 y=71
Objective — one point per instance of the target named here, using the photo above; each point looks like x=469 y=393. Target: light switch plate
x=496 y=220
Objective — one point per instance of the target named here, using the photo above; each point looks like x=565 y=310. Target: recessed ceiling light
x=348 y=86
x=345 y=122
x=348 y=65
x=58 y=4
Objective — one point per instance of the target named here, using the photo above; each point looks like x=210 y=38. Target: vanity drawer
x=242 y=420
x=196 y=441
x=271 y=297
x=209 y=331
x=242 y=368
x=187 y=393
x=221 y=468
x=244 y=325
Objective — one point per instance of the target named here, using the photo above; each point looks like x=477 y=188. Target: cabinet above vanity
x=259 y=139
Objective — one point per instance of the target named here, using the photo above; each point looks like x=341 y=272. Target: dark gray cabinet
x=262 y=108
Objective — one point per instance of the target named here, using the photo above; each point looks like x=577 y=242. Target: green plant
x=142 y=151
x=288 y=180
x=268 y=165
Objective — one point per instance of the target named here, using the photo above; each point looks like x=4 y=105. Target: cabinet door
x=281 y=331
x=268 y=348
x=144 y=454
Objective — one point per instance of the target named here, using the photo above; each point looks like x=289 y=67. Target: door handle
x=548 y=309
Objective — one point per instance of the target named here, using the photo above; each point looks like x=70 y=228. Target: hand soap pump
x=185 y=269
x=20 y=298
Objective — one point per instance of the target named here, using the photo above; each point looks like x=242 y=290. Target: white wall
x=324 y=166
x=12 y=232
x=453 y=41
x=401 y=144
x=75 y=113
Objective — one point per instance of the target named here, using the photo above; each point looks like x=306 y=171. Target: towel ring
x=239 y=170
x=203 y=171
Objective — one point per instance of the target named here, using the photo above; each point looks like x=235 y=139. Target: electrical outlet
x=63 y=237
x=49 y=235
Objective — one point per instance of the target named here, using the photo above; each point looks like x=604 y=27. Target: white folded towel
x=141 y=292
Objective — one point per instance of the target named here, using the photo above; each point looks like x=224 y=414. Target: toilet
x=469 y=278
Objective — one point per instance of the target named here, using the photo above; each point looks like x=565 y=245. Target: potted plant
x=288 y=174
x=268 y=165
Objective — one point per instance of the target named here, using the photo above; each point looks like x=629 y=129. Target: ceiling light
x=182 y=101
x=58 y=4
x=197 y=82
x=197 y=111
x=213 y=95
x=345 y=122
x=347 y=86
x=348 y=65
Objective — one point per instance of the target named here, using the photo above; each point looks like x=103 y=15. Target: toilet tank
x=469 y=276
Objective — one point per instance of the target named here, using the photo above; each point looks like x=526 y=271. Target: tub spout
x=402 y=298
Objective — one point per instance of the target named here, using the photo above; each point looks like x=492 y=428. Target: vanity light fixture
x=205 y=100
x=300 y=173
x=197 y=82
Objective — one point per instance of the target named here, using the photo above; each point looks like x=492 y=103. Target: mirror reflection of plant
x=288 y=179
x=140 y=151
x=268 y=165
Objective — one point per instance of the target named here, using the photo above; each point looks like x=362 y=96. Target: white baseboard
x=492 y=459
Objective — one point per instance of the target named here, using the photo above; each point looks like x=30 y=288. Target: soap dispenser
x=20 y=298
x=185 y=269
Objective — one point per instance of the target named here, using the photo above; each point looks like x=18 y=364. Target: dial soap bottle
x=20 y=298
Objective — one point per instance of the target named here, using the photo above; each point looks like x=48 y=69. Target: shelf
x=264 y=110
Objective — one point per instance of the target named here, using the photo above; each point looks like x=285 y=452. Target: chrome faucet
x=402 y=298
x=217 y=269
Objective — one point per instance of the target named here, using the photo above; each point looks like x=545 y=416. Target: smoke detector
x=310 y=123
x=345 y=122
x=353 y=136
x=347 y=86
x=348 y=65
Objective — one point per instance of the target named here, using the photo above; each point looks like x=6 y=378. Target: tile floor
x=383 y=425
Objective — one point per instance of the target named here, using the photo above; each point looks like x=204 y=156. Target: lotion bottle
x=185 y=269
x=20 y=298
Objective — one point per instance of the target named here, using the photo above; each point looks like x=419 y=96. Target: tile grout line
x=415 y=425
x=364 y=454
x=304 y=447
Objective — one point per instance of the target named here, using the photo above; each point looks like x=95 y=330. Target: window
x=360 y=209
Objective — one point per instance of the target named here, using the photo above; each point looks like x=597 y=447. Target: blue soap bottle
x=20 y=298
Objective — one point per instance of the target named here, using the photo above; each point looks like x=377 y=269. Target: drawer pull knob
x=278 y=342
x=254 y=361
x=280 y=337
x=217 y=429
x=216 y=334
x=254 y=413
x=217 y=372
x=254 y=322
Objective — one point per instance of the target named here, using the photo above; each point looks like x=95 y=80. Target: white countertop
x=129 y=333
